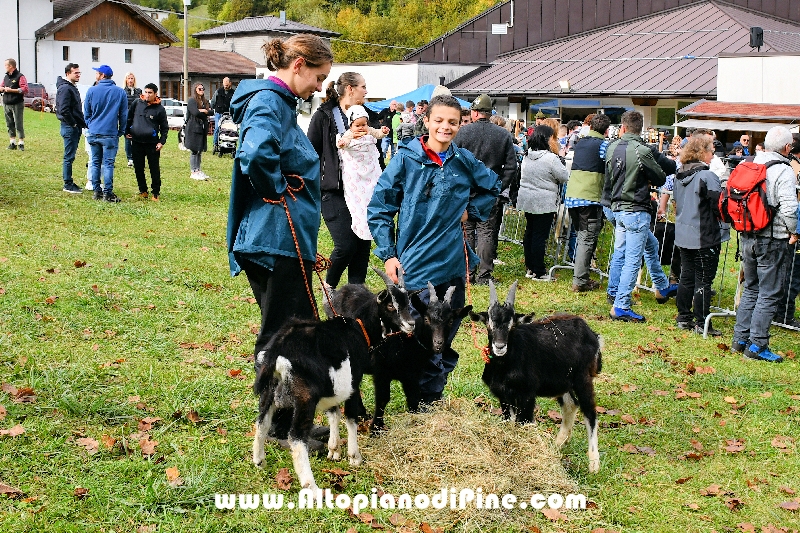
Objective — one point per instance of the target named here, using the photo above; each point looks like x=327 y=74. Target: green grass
x=156 y=283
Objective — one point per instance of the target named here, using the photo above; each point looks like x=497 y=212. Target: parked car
x=176 y=116
x=38 y=99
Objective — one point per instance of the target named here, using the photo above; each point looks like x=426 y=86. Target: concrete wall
x=21 y=46
x=759 y=79
x=145 y=64
x=247 y=45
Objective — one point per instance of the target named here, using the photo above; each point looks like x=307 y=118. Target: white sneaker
x=546 y=277
x=130 y=163
x=89 y=186
x=205 y=176
x=197 y=175
x=529 y=274
x=498 y=262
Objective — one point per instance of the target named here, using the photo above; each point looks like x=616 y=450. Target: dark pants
x=139 y=151
x=14 y=120
x=349 y=252
x=763 y=264
x=72 y=137
x=482 y=237
x=281 y=294
x=791 y=285
x=434 y=375
x=698 y=268
x=588 y=221
x=534 y=242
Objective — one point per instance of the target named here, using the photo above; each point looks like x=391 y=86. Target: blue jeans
x=387 y=146
x=633 y=236
x=651 y=259
x=104 y=153
x=128 y=150
x=763 y=264
x=72 y=137
x=216 y=128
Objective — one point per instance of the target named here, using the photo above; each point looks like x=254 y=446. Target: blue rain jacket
x=271 y=146
x=428 y=199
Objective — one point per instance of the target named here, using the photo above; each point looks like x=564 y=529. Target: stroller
x=228 y=136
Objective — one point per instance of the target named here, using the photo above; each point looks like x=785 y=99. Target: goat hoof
x=594 y=465
x=561 y=439
x=334 y=455
x=355 y=460
x=312 y=486
x=258 y=458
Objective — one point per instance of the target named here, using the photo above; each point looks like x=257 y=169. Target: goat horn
x=400 y=281
x=449 y=294
x=512 y=294
x=492 y=293
x=432 y=292
x=386 y=279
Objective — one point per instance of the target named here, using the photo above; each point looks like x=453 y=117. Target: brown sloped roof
x=262 y=25
x=67 y=11
x=208 y=62
x=737 y=110
x=673 y=53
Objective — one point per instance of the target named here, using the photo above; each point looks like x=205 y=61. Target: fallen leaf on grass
x=146 y=423
x=133 y=399
x=661 y=393
x=174 y=477
x=150 y=528
x=108 y=441
x=9 y=389
x=92 y=446
x=628 y=388
x=734 y=445
x=13 y=432
x=79 y=264
x=628 y=419
x=555 y=416
x=283 y=479
x=787 y=490
x=147 y=446
x=681 y=481
x=80 y=493
x=235 y=373
x=746 y=527
x=554 y=514
x=24 y=395
x=711 y=490
x=8 y=490
x=730 y=399
x=790 y=505
x=397 y=519
x=734 y=504
x=693 y=506
x=697 y=445
x=603 y=530
x=336 y=472
x=781 y=442
x=706 y=370
x=50 y=300
x=767 y=394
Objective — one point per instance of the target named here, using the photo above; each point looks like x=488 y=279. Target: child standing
x=431 y=186
x=360 y=167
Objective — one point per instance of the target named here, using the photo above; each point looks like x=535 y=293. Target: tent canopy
x=422 y=93
x=730 y=125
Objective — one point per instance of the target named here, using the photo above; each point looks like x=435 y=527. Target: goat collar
x=486 y=353
x=364 y=331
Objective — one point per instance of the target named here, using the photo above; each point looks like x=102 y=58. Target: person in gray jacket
x=764 y=252
x=697 y=232
x=543 y=173
x=494 y=147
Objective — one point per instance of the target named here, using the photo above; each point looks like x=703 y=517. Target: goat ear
x=479 y=317
x=418 y=304
x=464 y=311
x=519 y=318
x=382 y=296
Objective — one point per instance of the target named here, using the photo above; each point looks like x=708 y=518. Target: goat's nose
x=500 y=349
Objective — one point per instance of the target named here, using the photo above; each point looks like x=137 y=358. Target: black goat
x=403 y=358
x=555 y=357
x=311 y=366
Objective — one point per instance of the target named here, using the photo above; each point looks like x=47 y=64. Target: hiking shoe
x=130 y=163
x=699 y=329
x=197 y=175
x=154 y=197
x=762 y=354
x=738 y=346
x=21 y=147
x=625 y=315
x=143 y=195
x=685 y=324
x=98 y=194
x=669 y=292
x=111 y=197
x=588 y=286
x=72 y=188
x=529 y=274
x=12 y=146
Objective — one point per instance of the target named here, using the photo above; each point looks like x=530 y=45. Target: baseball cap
x=482 y=103
x=105 y=70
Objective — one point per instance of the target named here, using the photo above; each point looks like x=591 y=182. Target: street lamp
x=186 y=4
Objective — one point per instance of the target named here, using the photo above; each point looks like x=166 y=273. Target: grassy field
x=124 y=348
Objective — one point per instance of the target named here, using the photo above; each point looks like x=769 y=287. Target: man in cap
x=106 y=113
x=494 y=147
x=540 y=118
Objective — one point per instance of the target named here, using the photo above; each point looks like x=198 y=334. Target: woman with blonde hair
x=553 y=124
x=133 y=93
x=196 y=137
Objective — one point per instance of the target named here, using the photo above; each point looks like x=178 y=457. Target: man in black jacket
x=147 y=127
x=70 y=112
x=494 y=147
x=221 y=102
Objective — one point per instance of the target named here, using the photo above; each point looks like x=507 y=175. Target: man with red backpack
x=763 y=246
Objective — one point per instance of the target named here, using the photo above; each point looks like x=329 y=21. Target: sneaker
x=588 y=286
x=111 y=197
x=738 y=346
x=529 y=274
x=498 y=262
x=543 y=277
x=98 y=194
x=130 y=163
x=72 y=188
x=142 y=195
x=89 y=186
x=12 y=146
x=197 y=175
x=686 y=324
x=699 y=329
x=205 y=176
x=669 y=292
x=21 y=147
x=625 y=315
x=762 y=354
x=154 y=197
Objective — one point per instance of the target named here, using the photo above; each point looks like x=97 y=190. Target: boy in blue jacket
x=432 y=186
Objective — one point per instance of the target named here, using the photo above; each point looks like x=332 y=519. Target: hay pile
x=457 y=444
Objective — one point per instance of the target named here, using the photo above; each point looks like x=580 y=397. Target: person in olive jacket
x=147 y=130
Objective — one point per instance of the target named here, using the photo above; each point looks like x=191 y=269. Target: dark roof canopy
x=262 y=25
x=208 y=62
x=669 y=54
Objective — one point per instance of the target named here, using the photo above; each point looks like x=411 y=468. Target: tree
x=234 y=10
x=214 y=7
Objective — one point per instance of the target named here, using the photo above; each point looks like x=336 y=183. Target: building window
x=95 y=55
x=164 y=89
x=176 y=90
x=129 y=55
x=154 y=15
x=65 y=53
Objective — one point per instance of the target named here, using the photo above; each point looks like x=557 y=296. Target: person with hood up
x=147 y=130
x=274 y=161
x=697 y=232
x=542 y=175
x=70 y=113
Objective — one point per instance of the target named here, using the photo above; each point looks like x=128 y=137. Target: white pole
x=186 y=4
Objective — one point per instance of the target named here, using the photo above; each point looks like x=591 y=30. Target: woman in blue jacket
x=274 y=161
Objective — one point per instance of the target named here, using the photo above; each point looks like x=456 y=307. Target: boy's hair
x=444 y=100
x=70 y=66
x=409 y=103
x=152 y=86
x=465 y=112
x=600 y=123
x=572 y=124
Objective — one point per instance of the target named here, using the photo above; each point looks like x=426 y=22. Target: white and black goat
x=403 y=358
x=556 y=357
x=311 y=366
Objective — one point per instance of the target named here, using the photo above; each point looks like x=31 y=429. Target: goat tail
x=266 y=375
x=598 y=366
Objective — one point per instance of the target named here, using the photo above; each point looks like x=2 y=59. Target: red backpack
x=743 y=202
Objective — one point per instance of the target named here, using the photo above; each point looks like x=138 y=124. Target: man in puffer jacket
x=147 y=129
x=764 y=252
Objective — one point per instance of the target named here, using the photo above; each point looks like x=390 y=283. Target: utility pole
x=186 y=89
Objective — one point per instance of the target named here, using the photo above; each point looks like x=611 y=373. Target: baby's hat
x=356 y=112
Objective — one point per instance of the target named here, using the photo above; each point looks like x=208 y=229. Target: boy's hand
x=340 y=143
x=385 y=130
x=391 y=266
x=464 y=216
